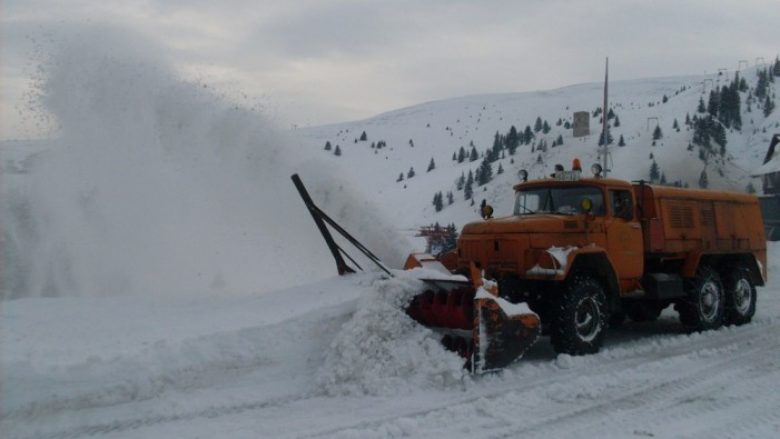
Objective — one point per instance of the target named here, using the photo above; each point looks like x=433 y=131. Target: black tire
x=740 y=297
x=705 y=305
x=580 y=318
x=643 y=312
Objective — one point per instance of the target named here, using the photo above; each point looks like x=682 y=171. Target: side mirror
x=586 y=205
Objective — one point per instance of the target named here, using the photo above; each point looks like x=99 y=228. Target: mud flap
x=502 y=332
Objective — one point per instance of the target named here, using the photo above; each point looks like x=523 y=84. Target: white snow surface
x=340 y=359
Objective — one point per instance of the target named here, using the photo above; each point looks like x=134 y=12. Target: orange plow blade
x=486 y=330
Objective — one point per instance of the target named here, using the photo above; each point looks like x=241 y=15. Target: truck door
x=624 y=236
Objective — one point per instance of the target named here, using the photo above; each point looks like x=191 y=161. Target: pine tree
x=498 y=144
x=461 y=155
x=560 y=139
x=703 y=181
x=512 y=140
x=500 y=169
x=474 y=154
x=714 y=103
x=363 y=137
x=655 y=173
x=676 y=126
x=328 y=146
x=337 y=151
x=545 y=127
x=468 y=189
x=663 y=179
x=494 y=153
x=538 y=124
x=622 y=141
x=665 y=99
x=687 y=119
x=454 y=156
x=411 y=143
x=400 y=177
x=762 y=85
x=657 y=133
x=438 y=202
x=610 y=114
x=567 y=125
x=484 y=173
x=410 y=174
x=450 y=198
x=528 y=135
x=431 y=165
x=460 y=182
x=617 y=120
x=719 y=136
x=701 y=108
x=750 y=188
x=768 y=106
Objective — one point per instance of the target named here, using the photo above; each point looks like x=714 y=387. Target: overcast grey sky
x=315 y=62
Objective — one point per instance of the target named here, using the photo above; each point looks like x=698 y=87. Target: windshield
x=559 y=200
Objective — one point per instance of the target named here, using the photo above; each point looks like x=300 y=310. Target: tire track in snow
x=494 y=390
x=710 y=374
x=658 y=355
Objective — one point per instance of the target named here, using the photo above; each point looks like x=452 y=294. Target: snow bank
x=382 y=351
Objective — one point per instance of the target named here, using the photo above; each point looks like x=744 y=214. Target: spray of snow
x=153 y=183
x=382 y=351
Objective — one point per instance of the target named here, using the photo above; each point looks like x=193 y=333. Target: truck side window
x=622 y=207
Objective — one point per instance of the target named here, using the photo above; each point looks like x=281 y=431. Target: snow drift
x=382 y=351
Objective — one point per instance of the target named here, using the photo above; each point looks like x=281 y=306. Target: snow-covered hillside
x=436 y=130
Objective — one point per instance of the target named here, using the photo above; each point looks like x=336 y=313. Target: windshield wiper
x=527 y=210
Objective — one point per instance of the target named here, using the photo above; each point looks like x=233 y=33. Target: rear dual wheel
x=705 y=305
x=740 y=297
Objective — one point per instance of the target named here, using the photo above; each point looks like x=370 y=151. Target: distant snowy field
x=339 y=358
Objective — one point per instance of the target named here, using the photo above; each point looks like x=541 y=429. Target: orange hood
x=538 y=223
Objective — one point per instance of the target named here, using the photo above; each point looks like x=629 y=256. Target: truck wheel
x=704 y=307
x=740 y=297
x=644 y=312
x=581 y=317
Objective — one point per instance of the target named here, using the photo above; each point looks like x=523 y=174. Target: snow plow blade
x=501 y=338
x=487 y=331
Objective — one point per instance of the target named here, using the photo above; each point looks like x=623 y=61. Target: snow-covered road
x=336 y=359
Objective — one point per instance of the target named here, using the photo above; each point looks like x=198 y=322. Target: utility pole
x=604 y=150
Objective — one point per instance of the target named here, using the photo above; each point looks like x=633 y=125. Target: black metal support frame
x=322 y=220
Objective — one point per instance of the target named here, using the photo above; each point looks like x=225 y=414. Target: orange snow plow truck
x=580 y=254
